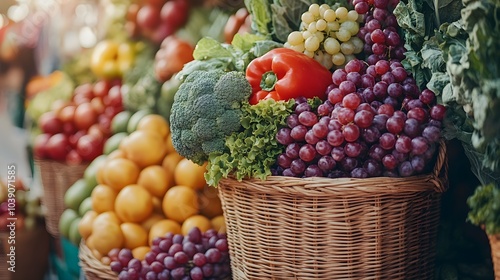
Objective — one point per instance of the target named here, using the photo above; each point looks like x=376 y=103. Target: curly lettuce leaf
x=252 y=151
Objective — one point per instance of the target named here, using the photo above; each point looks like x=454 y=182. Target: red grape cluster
x=195 y=256
x=376 y=122
x=379 y=30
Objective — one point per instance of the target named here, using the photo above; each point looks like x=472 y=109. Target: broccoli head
x=206 y=109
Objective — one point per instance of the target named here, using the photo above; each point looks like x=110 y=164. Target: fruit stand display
x=255 y=139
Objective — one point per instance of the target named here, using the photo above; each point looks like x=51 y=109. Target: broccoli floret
x=206 y=109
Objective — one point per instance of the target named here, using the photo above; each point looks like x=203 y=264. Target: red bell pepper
x=283 y=74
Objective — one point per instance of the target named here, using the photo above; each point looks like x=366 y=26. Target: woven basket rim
x=90 y=264
x=433 y=181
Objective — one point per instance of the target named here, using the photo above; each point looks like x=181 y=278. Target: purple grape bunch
x=196 y=256
x=375 y=122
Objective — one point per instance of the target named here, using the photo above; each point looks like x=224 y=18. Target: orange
x=134 y=235
x=144 y=147
x=107 y=237
x=188 y=173
x=85 y=224
x=155 y=123
x=210 y=204
x=157 y=209
x=133 y=204
x=169 y=145
x=155 y=179
x=140 y=252
x=199 y=221
x=149 y=222
x=162 y=227
x=169 y=163
x=103 y=198
x=219 y=224
x=105 y=218
x=116 y=154
x=180 y=203
x=120 y=172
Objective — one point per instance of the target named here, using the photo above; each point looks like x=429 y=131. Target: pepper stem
x=268 y=81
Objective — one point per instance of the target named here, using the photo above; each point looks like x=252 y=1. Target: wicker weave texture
x=320 y=228
x=56 y=177
x=93 y=268
x=495 y=254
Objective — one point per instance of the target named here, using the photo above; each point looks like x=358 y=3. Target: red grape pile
x=195 y=256
x=375 y=122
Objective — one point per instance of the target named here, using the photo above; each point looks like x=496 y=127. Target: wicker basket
x=92 y=268
x=495 y=254
x=320 y=228
x=56 y=177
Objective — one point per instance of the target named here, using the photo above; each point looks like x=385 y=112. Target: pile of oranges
x=146 y=189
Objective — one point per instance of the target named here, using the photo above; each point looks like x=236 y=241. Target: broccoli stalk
x=206 y=109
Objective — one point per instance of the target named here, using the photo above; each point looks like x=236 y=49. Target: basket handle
x=439 y=176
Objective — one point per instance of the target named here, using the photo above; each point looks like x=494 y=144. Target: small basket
x=92 y=268
x=56 y=177
x=495 y=253
x=346 y=228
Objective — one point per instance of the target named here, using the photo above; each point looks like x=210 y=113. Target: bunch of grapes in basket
x=195 y=256
x=375 y=122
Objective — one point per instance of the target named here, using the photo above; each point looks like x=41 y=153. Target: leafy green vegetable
x=485 y=208
x=253 y=150
x=211 y=54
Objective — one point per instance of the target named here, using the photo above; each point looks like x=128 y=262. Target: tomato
x=58 y=146
x=171 y=57
x=89 y=147
x=73 y=158
x=175 y=13
x=49 y=123
x=39 y=145
x=80 y=99
x=148 y=17
x=97 y=105
x=101 y=88
x=67 y=113
x=85 y=116
x=104 y=122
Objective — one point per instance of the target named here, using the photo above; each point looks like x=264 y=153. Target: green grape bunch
x=328 y=35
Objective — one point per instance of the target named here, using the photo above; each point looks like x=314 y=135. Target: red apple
x=148 y=17
x=85 y=116
x=67 y=113
x=58 y=146
x=73 y=158
x=49 y=123
x=97 y=105
x=114 y=97
x=85 y=90
x=73 y=138
x=96 y=131
x=69 y=128
x=39 y=145
x=89 y=147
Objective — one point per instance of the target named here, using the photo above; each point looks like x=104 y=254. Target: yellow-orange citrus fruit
x=103 y=198
x=160 y=228
x=120 y=172
x=188 y=173
x=155 y=179
x=133 y=204
x=107 y=237
x=219 y=224
x=199 y=221
x=169 y=163
x=180 y=203
x=140 y=252
x=134 y=235
x=85 y=224
x=169 y=146
x=102 y=219
x=116 y=154
x=149 y=222
x=145 y=148
x=210 y=204
x=155 y=123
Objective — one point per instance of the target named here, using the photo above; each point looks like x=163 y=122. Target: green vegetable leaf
x=246 y=41
x=261 y=15
x=207 y=48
